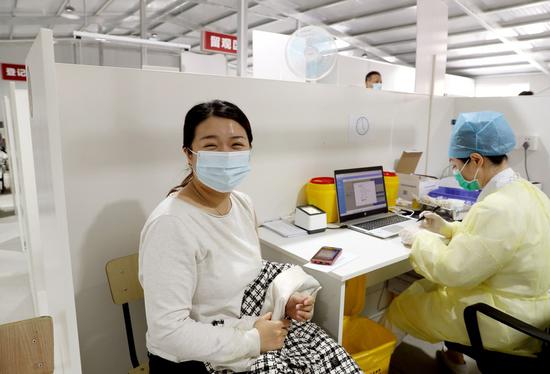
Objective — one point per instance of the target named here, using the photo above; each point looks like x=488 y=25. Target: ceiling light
x=69 y=12
x=341 y=27
x=129 y=40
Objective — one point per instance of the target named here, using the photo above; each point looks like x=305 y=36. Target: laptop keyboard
x=377 y=223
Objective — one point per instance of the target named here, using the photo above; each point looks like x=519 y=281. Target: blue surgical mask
x=472 y=185
x=377 y=86
x=222 y=171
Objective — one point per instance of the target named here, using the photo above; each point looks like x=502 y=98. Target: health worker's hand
x=408 y=234
x=299 y=307
x=435 y=223
x=272 y=333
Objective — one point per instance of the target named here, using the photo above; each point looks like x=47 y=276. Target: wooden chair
x=26 y=347
x=122 y=274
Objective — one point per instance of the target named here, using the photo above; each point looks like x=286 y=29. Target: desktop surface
x=372 y=253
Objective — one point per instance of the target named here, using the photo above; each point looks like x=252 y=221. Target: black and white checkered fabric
x=308 y=349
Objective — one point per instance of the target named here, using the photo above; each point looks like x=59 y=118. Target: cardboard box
x=413 y=186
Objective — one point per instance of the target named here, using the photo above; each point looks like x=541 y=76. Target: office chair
x=26 y=347
x=499 y=362
x=122 y=274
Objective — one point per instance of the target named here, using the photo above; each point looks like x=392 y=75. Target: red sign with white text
x=14 y=72
x=218 y=42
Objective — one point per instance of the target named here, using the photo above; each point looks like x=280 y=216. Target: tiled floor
x=6 y=205
x=9 y=232
x=15 y=294
x=414 y=356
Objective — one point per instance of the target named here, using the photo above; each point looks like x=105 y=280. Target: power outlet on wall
x=532 y=140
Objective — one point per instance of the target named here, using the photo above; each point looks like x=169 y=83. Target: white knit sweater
x=194 y=268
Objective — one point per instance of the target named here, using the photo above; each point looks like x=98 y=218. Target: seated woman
x=211 y=303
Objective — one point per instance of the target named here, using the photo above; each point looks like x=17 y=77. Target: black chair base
x=498 y=362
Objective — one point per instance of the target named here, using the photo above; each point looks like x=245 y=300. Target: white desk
x=378 y=258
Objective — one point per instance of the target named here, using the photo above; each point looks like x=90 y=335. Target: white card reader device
x=310 y=218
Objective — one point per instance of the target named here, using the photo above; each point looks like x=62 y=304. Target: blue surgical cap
x=486 y=133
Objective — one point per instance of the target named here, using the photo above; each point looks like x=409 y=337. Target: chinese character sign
x=14 y=72
x=217 y=42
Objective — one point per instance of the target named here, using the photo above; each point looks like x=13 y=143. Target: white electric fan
x=311 y=53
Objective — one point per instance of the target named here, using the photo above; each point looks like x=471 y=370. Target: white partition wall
x=120 y=139
x=51 y=268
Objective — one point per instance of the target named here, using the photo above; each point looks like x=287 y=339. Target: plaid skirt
x=307 y=350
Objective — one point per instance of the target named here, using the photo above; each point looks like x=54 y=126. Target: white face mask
x=377 y=86
x=222 y=171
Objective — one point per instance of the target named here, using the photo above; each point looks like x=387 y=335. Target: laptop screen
x=360 y=192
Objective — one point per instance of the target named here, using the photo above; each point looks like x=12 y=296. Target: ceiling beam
x=474 y=11
x=466 y=35
x=102 y=7
x=262 y=23
x=488 y=66
x=114 y=22
x=290 y=11
x=13 y=9
x=99 y=10
x=483 y=48
x=168 y=12
x=471 y=72
x=172 y=18
x=410 y=5
x=411 y=27
x=45 y=20
x=494 y=54
x=235 y=9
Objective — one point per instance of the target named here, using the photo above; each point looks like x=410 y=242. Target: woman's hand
x=272 y=333
x=299 y=307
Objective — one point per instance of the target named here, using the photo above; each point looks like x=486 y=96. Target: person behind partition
x=498 y=255
x=526 y=93
x=211 y=302
x=373 y=80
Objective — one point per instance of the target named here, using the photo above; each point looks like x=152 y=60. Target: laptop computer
x=362 y=203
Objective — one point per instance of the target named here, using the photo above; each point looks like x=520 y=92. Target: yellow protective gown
x=498 y=255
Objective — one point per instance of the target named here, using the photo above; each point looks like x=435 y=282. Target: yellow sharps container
x=321 y=192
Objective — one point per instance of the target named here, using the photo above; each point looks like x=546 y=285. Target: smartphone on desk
x=326 y=255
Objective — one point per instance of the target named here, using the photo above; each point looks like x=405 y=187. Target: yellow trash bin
x=369 y=344
x=391 y=180
x=321 y=192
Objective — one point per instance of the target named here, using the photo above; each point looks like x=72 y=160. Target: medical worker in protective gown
x=498 y=255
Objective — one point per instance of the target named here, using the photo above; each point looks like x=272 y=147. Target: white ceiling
x=518 y=39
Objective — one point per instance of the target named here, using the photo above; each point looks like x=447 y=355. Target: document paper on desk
x=284 y=228
x=344 y=258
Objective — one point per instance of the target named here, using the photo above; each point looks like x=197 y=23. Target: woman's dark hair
x=496 y=160
x=201 y=112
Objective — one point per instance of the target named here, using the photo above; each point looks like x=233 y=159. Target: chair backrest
x=26 y=347
x=122 y=274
